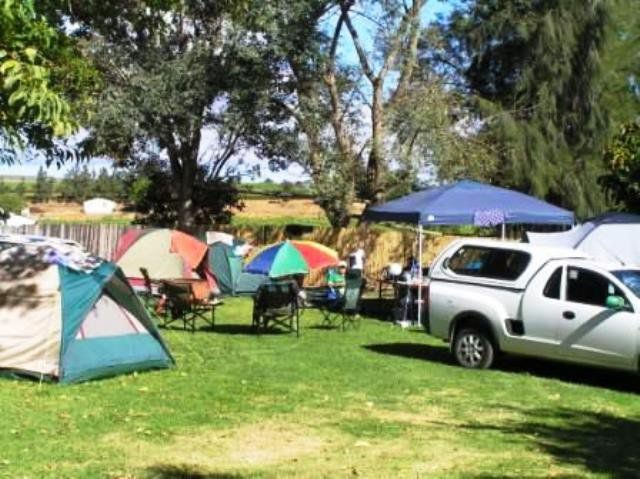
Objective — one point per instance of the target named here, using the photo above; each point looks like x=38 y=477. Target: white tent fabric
x=610 y=242
x=99 y=206
x=15 y=221
x=566 y=239
x=108 y=318
x=30 y=322
x=219 y=236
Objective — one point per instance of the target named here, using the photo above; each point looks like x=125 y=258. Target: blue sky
x=295 y=172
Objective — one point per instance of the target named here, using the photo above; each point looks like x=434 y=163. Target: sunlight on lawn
x=374 y=402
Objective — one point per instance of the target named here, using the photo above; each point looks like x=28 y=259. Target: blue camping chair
x=345 y=308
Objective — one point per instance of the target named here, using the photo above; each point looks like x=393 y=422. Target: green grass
x=269 y=190
x=374 y=402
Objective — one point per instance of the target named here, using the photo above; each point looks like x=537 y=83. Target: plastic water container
x=395 y=269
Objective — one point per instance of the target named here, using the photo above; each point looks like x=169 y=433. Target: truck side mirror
x=615 y=302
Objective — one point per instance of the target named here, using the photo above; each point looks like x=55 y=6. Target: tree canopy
x=533 y=71
x=369 y=99
x=174 y=71
x=622 y=179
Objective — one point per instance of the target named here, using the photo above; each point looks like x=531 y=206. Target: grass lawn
x=374 y=402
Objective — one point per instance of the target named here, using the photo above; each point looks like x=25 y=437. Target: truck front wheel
x=473 y=348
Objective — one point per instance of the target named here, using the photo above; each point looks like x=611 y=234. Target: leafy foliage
x=434 y=132
x=41 y=78
x=174 y=71
x=622 y=157
x=533 y=70
x=10 y=203
x=155 y=201
x=342 y=120
x=621 y=63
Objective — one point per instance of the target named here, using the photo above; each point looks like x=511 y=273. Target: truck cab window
x=630 y=278
x=589 y=287
x=552 y=288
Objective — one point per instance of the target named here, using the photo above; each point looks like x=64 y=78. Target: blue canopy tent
x=467 y=203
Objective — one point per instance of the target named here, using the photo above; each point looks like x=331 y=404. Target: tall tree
x=306 y=98
x=343 y=117
x=621 y=63
x=170 y=68
x=533 y=69
x=149 y=185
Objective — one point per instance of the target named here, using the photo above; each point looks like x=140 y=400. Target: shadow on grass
x=245 y=329
x=380 y=309
x=620 y=381
x=171 y=471
x=413 y=351
x=324 y=327
x=599 y=442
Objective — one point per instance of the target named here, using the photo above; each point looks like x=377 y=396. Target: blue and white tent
x=612 y=237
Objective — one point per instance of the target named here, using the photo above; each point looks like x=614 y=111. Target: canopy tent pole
x=504 y=231
x=419 y=274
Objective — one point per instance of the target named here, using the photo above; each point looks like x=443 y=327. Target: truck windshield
x=630 y=278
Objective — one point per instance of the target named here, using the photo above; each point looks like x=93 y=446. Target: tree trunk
x=186 y=217
x=376 y=154
x=184 y=167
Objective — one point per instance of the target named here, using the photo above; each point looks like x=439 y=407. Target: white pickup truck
x=488 y=296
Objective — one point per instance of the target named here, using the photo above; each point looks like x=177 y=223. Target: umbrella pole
x=419 y=274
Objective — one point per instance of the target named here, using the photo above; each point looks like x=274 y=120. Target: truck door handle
x=568 y=315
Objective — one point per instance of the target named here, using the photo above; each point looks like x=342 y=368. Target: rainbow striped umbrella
x=291 y=257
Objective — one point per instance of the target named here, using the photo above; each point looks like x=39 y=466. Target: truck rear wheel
x=473 y=348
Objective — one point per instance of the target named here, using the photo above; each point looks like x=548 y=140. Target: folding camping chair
x=183 y=305
x=276 y=303
x=345 y=308
x=150 y=293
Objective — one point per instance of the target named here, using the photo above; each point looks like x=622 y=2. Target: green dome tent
x=71 y=317
x=227 y=268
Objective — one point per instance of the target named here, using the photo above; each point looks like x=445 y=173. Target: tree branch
x=411 y=54
x=334 y=94
x=396 y=42
x=362 y=54
x=334 y=45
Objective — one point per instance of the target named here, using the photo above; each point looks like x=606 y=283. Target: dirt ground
x=254 y=209
x=286 y=208
x=277 y=208
x=70 y=212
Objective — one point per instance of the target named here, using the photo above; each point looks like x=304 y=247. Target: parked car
x=489 y=296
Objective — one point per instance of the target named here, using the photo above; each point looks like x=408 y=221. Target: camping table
x=199 y=286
